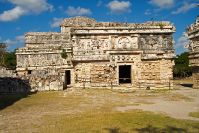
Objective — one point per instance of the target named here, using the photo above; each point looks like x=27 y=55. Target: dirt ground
x=176 y=103
x=28 y=113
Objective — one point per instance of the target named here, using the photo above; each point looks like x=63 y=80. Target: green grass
x=194 y=114
x=133 y=121
x=85 y=111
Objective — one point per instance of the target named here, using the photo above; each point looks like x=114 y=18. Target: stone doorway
x=125 y=74
x=67 y=79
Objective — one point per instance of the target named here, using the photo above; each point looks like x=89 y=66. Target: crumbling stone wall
x=11 y=83
x=14 y=85
x=7 y=73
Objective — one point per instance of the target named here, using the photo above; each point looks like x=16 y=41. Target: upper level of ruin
x=193 y=46
x=193 y=29
x=78 y=23
x=85 y=39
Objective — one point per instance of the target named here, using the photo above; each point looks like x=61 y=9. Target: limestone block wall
x=193 y=47
x=44 y=49
x=166 y=69
x=42 y=60
x=156 y=74
x=196 y=77
x=50 y=40
x=94 y=74
x=46 y=80
x=102 y=74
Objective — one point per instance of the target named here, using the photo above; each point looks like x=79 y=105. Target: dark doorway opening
x=124 y=74
x=67 y=79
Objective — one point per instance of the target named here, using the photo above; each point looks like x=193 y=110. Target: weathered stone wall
x=94 y=74
x=155 y=42
x=11 y=83
x=36 y=61
x=44 y=50
x=156 y=74
x=7 y=73
x=196 y=77
x=193 y=47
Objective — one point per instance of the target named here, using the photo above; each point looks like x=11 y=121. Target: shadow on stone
x=167 y=129
x=187 y=85
x=12 y=90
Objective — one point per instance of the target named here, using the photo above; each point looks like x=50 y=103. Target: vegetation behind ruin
x=7 y=58
x=181 y=68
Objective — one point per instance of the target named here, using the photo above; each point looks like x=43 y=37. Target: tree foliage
x=10 y=60
x=181 y=68
x=64 y=54
x=7 y=59
x=2 y=53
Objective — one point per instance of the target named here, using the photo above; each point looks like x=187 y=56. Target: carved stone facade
x=193 y=47
x=99 y=54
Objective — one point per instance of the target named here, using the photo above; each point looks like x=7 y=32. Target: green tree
x=10 y=60
x=2 y=53
x=7 y=59
x=181 y=68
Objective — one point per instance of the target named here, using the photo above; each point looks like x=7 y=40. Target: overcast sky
x=20 y=16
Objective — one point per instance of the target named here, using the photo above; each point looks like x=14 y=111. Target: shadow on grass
x=9 y=99
x=113 y=130
x=167 y=129
x=12 y=90
x=152 y=129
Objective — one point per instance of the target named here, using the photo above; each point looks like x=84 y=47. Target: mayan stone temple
x=87 y=53
x=193 y=34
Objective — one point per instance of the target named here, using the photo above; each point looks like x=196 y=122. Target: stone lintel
x=124 y=51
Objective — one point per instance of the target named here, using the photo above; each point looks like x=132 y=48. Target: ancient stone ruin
x=11 y=83
x=193 y=34
x=87 y=53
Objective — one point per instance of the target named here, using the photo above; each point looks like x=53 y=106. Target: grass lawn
x=115 y=122
x=194 y=114
x=86 y=111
